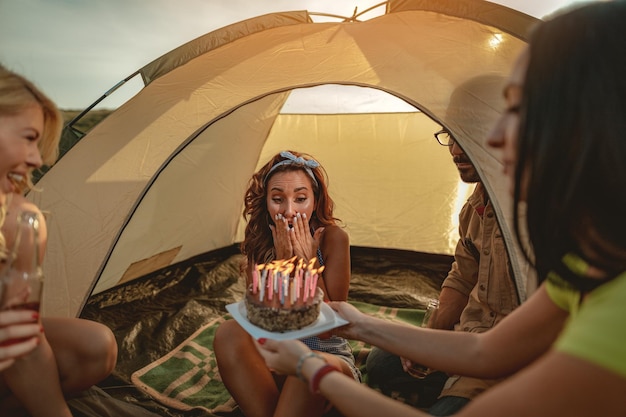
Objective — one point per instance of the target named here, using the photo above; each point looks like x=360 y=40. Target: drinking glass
x=415 y=369
x=21 y=278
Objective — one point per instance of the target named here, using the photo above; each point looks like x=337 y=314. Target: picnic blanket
x=188 y=378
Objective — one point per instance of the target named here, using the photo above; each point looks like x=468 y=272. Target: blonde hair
x=16 y=94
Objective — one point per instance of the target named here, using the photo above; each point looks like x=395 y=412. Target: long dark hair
x=258 y=245
x=572 y=140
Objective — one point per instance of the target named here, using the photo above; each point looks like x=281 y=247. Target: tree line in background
x=86 y=122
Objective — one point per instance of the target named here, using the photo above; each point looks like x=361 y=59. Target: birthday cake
x=284 y=296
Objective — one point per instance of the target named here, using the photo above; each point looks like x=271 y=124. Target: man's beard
x=468 y=175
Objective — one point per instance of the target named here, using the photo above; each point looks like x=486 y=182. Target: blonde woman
x=69 y=355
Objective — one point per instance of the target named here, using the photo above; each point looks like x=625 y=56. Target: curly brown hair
x=258 y=244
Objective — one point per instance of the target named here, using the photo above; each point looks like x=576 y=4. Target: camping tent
x=162 y=178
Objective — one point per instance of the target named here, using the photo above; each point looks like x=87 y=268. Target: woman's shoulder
x=595 y=332
x=335 y=232
x=334 y=239
x=18 y=203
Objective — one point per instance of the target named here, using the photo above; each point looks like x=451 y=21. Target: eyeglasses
x=444 y=138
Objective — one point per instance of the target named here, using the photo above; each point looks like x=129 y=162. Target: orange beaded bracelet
x=314 y=382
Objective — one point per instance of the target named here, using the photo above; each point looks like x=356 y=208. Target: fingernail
x=40 y=329
x=262 y=340
x=36 y=316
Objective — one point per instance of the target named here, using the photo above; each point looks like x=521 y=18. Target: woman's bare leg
x=74 y=355
x=296 y=398
x=85 y=351
x=33 y=381
x=244 y=372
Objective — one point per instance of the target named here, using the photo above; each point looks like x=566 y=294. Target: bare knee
x=227 y=333
x=86 y=351
x=104 y=350
x=229 y=339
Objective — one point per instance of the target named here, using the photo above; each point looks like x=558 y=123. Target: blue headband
x=306 y=164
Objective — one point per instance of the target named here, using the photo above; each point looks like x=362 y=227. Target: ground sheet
x=164 y=323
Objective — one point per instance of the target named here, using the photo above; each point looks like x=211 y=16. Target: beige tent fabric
x=110 y=209
x=491 y=14
x=196 y=201
x=215 y=39
x=364 y=154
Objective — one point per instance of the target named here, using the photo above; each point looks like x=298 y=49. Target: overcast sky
x=75 y=50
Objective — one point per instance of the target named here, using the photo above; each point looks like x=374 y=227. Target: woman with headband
x=289 y=214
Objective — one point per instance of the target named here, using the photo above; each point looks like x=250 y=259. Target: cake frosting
x=284 y=296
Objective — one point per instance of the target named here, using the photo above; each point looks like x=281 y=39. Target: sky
x=76 y=50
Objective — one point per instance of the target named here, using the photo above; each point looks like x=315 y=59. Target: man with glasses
x=478 y=293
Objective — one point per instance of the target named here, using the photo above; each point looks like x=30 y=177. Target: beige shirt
x=481 y=270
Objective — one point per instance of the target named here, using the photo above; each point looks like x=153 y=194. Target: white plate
x=327 y=320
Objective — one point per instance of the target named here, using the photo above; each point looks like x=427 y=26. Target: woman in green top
x=562 y=138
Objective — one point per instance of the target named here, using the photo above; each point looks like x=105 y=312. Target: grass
x=87 y=121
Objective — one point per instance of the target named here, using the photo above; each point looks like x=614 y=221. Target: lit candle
x=307 y=283
x=285 y=288
x=263 y=283
x=299 y=278
x=318 y=272
x=255 y=279
x=270 y=283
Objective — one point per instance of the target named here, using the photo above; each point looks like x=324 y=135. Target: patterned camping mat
x=187 y=377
